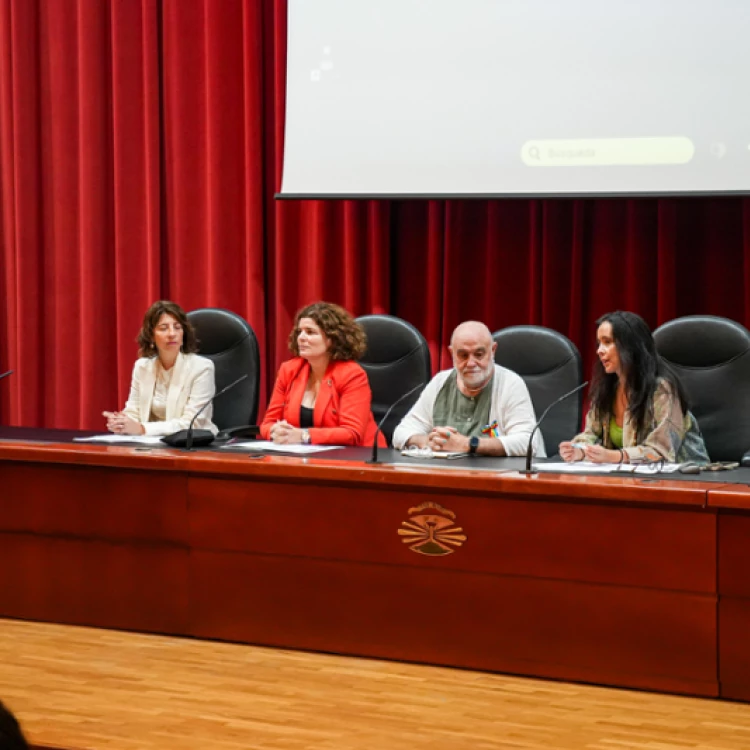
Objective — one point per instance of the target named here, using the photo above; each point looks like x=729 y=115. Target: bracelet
x=622 y=456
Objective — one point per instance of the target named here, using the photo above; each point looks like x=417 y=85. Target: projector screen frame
x=700 y=169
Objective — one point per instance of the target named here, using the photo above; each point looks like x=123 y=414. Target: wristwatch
x=305 y=437
x=473 y=445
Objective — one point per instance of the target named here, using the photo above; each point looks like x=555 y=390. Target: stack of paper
x=110 y=438
x=267 y=445
x=589 y=467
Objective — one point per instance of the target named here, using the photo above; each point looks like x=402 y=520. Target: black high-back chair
x=550 y=365
x=711 y=356
x=397 y=359
x=229 y=340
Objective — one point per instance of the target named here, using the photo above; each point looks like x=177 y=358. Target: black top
x=305 y=417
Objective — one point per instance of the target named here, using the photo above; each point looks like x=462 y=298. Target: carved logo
x=431 y=530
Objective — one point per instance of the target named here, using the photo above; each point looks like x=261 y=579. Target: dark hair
x=348 y=340
x=145 y=338
x=11 y=736
x=641 y=368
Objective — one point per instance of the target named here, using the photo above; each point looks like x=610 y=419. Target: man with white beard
x=476 y=407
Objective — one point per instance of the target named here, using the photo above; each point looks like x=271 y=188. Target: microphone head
x=179 y=439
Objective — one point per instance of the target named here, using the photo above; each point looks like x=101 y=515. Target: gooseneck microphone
x=5 y=374
x=374 y=458
x=187 y=438
x=541 y=419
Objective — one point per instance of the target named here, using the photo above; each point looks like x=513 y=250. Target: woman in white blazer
x=170 y=382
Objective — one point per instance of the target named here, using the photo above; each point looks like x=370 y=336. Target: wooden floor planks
x=104 y=690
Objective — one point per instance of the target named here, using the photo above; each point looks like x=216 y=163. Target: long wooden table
x=613 y=580
x=732 y=506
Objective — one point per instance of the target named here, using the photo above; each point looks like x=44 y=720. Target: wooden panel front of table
x=604 y=580
x=732 y=505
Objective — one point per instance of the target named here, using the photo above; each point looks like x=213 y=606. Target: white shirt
x=161 y=393
x=510 y=406
x=191 y=386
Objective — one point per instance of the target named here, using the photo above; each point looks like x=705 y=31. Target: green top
x=615 y=433
x=669 y=433
x=469 y=415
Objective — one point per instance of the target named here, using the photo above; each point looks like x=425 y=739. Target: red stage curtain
x=141 y=144
x=81 y=194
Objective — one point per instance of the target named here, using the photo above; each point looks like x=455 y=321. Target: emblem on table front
x=431 y=530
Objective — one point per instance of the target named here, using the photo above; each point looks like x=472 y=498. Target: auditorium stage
x=623 y=581
x=91 y=689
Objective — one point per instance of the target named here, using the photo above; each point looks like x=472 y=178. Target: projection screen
x=481 y=98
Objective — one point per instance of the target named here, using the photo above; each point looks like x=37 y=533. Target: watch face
x=473 y=444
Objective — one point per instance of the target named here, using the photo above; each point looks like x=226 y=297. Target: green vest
x=468 y=414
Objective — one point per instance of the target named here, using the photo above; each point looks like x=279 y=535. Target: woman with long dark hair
x=638 y=410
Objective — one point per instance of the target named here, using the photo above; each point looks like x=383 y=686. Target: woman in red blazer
x=322 y=395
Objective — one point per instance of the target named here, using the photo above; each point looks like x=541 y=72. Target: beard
x=478 y=378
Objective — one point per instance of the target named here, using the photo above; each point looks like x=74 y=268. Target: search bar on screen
x=604 y=152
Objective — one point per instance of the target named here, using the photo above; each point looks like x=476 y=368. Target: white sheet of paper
x=268 y=445
x=589 y=467
x=110 y=438
x=429 y=453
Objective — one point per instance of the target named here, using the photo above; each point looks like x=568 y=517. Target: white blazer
x=192 y=386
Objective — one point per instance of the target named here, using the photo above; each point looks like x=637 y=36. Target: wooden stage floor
x=93 y=689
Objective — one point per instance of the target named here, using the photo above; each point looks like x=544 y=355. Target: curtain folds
x=141 y=145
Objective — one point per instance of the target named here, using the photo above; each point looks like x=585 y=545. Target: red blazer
x=342 y=414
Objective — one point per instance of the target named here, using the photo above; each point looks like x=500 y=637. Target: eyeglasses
x=652 y=467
